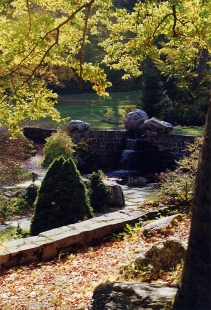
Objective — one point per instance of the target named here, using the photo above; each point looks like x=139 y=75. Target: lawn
x=102 y=113
x=94 y=109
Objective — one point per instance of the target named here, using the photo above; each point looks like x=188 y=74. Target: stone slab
x=49 y=244
x=131 y=296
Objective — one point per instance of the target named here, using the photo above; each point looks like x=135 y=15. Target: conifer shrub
x=58 y=144
x=62 y=198
x=100 y=193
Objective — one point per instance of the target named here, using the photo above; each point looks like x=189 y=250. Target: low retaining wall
x=109 y=144
x=62 y=240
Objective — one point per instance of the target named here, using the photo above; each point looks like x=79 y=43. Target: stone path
x=50 y=243
x=134 y=197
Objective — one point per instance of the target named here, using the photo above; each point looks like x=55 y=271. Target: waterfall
x=127 y=159
x=128 y=155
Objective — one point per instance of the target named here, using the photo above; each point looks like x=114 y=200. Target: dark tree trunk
x=200 y=69
x=194 y=292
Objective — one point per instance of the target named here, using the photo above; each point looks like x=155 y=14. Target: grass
x=96 y=110
x=194 y=131
x=7 y=234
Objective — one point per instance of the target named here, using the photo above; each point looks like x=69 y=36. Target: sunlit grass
x=95 y=110
x=7 y=234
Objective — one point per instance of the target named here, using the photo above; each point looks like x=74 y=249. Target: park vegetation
x=38 y=35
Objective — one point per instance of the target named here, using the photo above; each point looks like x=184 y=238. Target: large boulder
x=135 y=119
x=154 y=124
x=131 y=296
x=78 y=125
x=163 y=256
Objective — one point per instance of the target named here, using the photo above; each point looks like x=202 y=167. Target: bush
x=58 y=144
x=31 y=194
x=62 y=198
x=177 y=186
x=100 y=193
x=17 y=205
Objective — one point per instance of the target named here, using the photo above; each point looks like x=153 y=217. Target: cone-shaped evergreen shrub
x=100 y=193
x=62 y=198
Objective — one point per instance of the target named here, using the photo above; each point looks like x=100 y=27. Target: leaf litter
x=68 y=282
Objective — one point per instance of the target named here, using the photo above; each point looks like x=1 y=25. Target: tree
x=36 y=36
x=152 y=90
x=62 y=198
x=195 y=288
x=183 y=55
x=36 y=33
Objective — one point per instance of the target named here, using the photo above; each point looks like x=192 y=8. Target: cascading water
x=141 y=158
x=128 y=154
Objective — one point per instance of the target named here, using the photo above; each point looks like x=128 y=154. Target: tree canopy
x=38 y=35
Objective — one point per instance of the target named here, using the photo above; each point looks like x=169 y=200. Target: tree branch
x=201 y=67
x=56 y=29
x=83 y=40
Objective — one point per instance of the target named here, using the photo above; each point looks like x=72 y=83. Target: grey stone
x=78 y=125
x=131 y=296
x=156 y=125
x=135 y=119
x=20 y=192
x=160 y=224
x=164 y=255
x=151 y=133
x=117 y=195
x=140 y=181
x=8 y=195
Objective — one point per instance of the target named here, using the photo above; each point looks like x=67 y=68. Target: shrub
x=31 y=194
x=58 y=144
x=17 y=205
x=177 y=186
x=100 y=193
x=62 y=198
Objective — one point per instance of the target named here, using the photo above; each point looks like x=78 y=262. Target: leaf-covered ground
x=68 y=281
x=12 y=154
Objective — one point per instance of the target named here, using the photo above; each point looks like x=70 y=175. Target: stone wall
x=176 y=144
x=109 y=144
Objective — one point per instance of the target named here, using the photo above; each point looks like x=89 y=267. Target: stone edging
x=52 y=242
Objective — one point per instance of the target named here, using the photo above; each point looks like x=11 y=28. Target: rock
x=140 y=181
x=151 y=133
x=160 y=224
x=8 y=194
x=78 y=125
x=155 y=124
x=20 y=192
x=163 y=256
x=117 y=195
x=135 y=119
x=131 y=296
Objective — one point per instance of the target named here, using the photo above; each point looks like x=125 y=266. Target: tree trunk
x=194 y=292
x=201 y=67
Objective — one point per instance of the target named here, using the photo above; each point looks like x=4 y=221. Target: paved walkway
x=134 y=197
